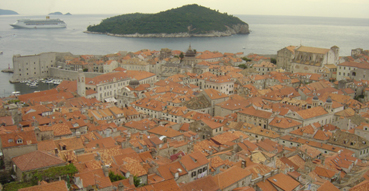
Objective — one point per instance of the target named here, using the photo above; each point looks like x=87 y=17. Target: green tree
x=14 y=186
x=115 y=177
x=137 y=182
x=181 y=56
x=246 y=59
x=243 y=66
x=273 y=60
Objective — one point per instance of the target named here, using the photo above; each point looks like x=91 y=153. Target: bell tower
x=81 y=85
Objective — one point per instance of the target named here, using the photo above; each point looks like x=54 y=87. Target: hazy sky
x=323 y=8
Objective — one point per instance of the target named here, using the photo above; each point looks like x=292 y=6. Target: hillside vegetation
x=7 y=12
x=193 y=19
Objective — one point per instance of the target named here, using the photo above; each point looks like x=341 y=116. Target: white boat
x=39 y=24
x=57 y=82
x=16 y=93
x=33 y=85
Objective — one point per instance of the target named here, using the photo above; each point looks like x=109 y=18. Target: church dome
x=329 y=100
x=190 y=52
x=134 y=82
x=315 y=98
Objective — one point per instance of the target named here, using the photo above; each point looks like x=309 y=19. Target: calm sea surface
x=268 y=35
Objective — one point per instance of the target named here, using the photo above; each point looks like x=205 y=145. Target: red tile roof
x=36 y=160
x=54 y=186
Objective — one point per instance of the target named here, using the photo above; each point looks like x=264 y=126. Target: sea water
x=268 y=35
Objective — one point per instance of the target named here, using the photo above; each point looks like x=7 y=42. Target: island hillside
x=189 y=20
x=56 y=13
x=7 y=12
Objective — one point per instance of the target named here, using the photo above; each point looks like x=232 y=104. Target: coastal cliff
x=186 y=21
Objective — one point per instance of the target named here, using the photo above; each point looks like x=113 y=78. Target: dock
x=8 y=70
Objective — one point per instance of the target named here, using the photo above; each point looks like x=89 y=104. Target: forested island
x=186 y=21
x=7 y=12
x=56 y=13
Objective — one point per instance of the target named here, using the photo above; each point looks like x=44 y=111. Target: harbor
x=31 y=86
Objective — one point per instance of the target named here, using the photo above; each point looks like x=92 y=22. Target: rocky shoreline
x=236 y=29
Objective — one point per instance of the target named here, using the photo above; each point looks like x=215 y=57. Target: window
x=204 y=169
x=10 y=140
x=193 y=174
x=19 y=141
x=200 y=171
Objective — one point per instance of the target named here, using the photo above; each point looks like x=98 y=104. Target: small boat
x=57 y=82
x=33 y=85
x=16 y=93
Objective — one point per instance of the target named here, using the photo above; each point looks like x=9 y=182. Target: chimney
x=130 y=180
x=106 y=170
x=120 y=186
x=243 y=164
x=98 y=157
x=241 y=139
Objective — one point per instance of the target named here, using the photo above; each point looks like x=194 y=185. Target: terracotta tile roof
x=207 y=183
x=231 y=176
x=312 y=152
x=7 y=120
x=11 y=139
x=36 y=160
x=70 y=143
x=250 y=128
x=323 y=172
x=205 y=146
x=165 y=131
x=54 y=186
x=306 y=130
x=361 y=186
x=224 y=138
x=58 y=129
x=312 y=112
x=259 y=169
x=321 y=135
x=214 y=94
x=167 y=185
x=257 y=113
x=211 y=124
x=284 y=182
x=355 y=64
x=168 y=171
x=94 y=177
x=194 y=160
x=133 y=166
x=264 y=64
x=284 y=123
x=266 y=186
x=312 y=50
x=101 y=143
x=47 y=145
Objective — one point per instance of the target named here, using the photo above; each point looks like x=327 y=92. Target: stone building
x=354 y=70
x=256 y=117
x=32 y=66
x=355 y=143
x=16 y=144
x=312 y=59
x=196 y=165
x=285 y=57
x=36 y=160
